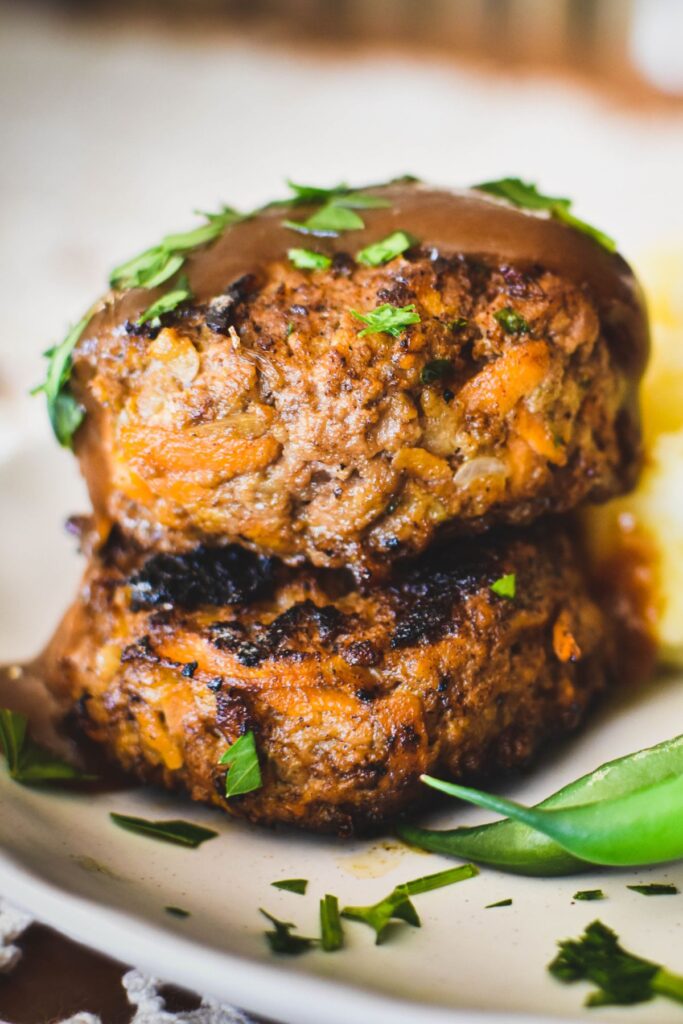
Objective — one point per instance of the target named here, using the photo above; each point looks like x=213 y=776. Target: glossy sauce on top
x=466 y=222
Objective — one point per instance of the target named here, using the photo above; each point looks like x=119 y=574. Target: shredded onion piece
x=478 y=469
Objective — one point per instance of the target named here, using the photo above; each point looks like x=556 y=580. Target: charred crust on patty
x=233 y=716
x=224 y=311
x=205 y=576
x=361 y=652
x=273 y=641
x=428 y=594
x=149 y=329
x=343 y=264
x=140 y=650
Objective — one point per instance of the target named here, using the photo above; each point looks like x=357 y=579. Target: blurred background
x=121 y=118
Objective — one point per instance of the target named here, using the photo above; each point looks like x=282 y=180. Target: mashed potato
x=641 y=536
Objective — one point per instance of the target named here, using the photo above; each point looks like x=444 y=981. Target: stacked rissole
x=330 y=488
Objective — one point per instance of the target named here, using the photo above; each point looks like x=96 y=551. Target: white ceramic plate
x=63 y=860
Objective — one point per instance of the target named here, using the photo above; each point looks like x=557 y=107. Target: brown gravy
x=464 y=222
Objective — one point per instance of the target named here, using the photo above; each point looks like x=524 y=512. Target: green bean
x=625 y=812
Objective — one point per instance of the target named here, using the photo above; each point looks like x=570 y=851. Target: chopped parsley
x=500 y=903
x=342 y=195
x=26 y=761
x=167 y=303
x=506 y=586
x=149 y=269
x=177 y=912
x=362 y=201
x=330 y=220
x=65 y=413
x=160 y=263
x=459 y=323
x=389 y=248
x=525 y=194
x=314 y=193
x=281 y=940
x=307 y=259
x=510 y=321
x=182 y=833
x=435 y=370
x=297 y=885
x=336 y=213
x=244 y=772
x=621 y=977
x=13 y=738
x=589 y=894
x=154 y=266
x=655 y=889
x=398 y=906
x=331 y=933
x=67 y=416
x=395 y=907
x=387 y=319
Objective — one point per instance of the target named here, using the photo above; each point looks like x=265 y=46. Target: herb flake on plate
x=182 y=833
x=501 y=903
x=589 y=894
x=398 y=905
x=331 y=932
x=655 y=889
x=244 y=772
x=177 y=911
x=622 y=978
x=26 y=761
x=281 y=940
x=297 y=885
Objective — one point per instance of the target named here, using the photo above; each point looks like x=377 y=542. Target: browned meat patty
x=350 y=695
x=265 y=412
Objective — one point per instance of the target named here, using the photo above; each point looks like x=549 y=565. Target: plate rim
x=252 y=986
x=256 y=986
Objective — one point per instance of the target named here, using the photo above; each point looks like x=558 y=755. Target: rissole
x=351 y=695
